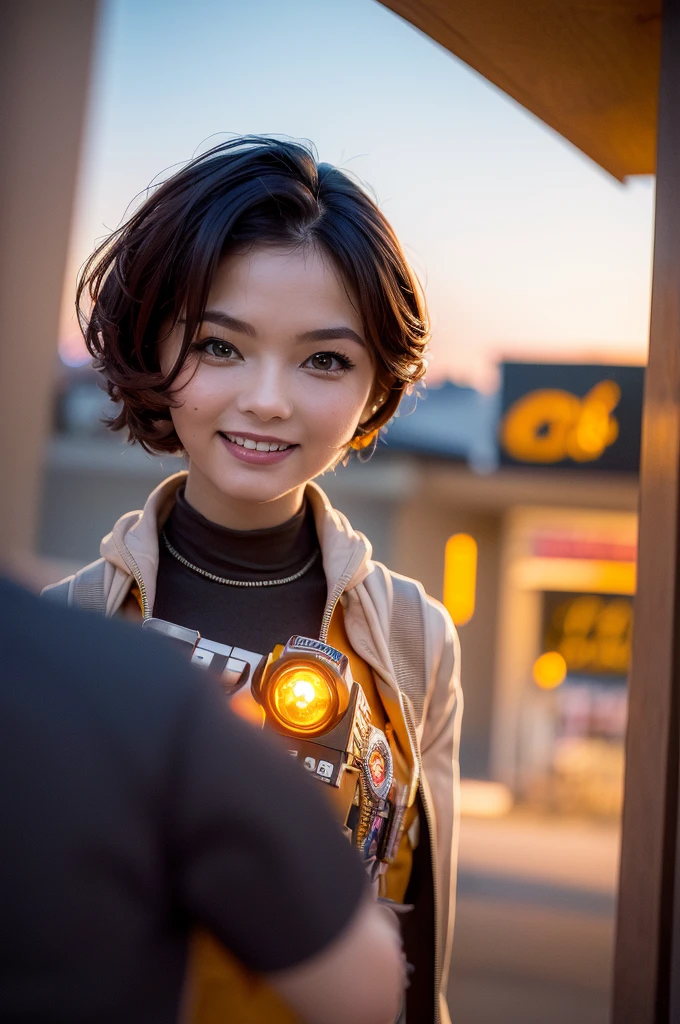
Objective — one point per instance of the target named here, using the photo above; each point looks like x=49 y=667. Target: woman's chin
x=217 y=482
x=231 y=488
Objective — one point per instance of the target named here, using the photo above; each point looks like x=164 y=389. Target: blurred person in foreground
x=134 y=806
x=258 y=314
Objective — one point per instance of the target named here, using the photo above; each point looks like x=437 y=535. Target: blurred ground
x=535 y=921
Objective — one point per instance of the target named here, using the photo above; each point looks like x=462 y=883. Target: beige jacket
x=426 y=728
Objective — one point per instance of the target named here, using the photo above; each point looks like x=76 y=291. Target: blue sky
x=524 y=246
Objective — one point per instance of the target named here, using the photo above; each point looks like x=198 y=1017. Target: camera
x=305 y=693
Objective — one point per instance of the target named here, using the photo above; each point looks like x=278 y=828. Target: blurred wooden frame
x=598 y=72
x=647 y=972
x=588 y=68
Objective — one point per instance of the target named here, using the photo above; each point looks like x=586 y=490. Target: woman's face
x=277 y=380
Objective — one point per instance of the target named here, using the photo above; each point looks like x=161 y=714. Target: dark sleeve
x=259 y=859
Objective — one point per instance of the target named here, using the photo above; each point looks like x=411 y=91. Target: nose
x=264 y=392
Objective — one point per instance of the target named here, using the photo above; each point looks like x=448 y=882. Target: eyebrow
x=332 y=334
x=232 y=323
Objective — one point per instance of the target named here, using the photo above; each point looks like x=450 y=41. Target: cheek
x=334 y=411
x=200 y=402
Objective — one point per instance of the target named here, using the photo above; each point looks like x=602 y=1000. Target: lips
x=257 y=451
x=252 y=444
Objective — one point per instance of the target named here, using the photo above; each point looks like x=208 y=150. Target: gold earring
x=363 y=441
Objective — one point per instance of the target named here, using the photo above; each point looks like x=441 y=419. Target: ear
x=374 y=403
x=163 y=427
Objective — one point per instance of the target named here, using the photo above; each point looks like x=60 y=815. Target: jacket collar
x=132 y=545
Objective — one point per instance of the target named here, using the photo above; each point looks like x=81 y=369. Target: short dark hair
x=158 y=268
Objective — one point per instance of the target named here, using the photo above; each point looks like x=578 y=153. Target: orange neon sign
x=592 y=633
x=551 y=425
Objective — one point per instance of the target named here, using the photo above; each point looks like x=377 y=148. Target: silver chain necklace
x=237 y=583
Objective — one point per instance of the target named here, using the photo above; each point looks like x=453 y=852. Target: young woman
x=257 y=313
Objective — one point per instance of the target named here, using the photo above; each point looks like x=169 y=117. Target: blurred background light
x=481 y=799
x=460 y=577
x=550 y=670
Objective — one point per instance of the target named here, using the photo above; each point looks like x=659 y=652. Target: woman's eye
x=329 y=362
x=219 y=349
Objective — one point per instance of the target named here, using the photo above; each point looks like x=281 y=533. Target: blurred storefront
x=519 y=509
x=567 y=585
x=566 y=612
x=546 y=634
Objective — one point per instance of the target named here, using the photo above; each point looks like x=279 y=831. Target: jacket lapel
x=367 y=635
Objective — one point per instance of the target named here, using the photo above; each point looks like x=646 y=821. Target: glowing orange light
x=535 y=428
x=303 y=699
x=460 y=577
x=550 y=670
x=595 y=428
x=550 y=425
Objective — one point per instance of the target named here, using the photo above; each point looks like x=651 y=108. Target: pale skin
x=280 y=359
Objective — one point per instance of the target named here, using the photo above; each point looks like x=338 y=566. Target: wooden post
x=648 y=906
x=45 y=55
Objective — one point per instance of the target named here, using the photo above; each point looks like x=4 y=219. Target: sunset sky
x=524 y=246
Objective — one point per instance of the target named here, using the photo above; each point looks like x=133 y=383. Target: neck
x=236 y=514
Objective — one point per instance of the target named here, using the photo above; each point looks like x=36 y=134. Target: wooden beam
x=642 y=972
x=45 y=56
x=590 y=70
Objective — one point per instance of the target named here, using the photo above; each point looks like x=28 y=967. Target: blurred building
x=518 y=508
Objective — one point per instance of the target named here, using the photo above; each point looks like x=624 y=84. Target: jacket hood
x=132 y=545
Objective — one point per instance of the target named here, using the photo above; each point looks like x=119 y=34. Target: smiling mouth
x=259 y=446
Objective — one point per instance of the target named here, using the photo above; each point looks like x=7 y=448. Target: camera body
x=233 y=666
x=305 y=693
x=340 y=747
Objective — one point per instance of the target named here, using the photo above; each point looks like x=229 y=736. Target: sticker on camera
x=378 y=768
x=325 y=769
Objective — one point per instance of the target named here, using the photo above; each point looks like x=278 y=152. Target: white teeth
x=260 y=446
